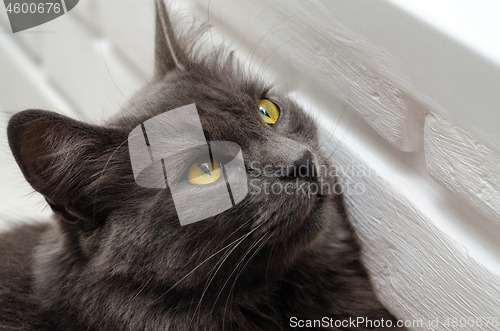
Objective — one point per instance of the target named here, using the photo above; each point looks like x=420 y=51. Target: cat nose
x=304 y=167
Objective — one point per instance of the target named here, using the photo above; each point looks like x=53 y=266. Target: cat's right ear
x=168 y=53
x=62 y=158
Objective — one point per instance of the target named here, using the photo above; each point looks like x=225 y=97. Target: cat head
x=85 y=173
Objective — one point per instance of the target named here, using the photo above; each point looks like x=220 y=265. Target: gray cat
x=116 y=257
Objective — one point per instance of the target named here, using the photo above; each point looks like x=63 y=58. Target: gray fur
x=116 y=257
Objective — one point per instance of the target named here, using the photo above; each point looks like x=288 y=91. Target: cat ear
x=59 y=157
x=167 y=50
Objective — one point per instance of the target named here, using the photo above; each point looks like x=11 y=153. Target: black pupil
x=205 y=167
x=264 y=112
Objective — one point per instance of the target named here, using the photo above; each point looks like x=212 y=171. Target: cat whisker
x=239 y=228
x=275 y=49
x=215 y=269
x=332 y=132
x=221 y=24
x=213 y=273
x=227 y=254
x=204 y=261
x=142 y=289
x=240 y=261
x=341 y=139
x=269 y=262
x=199 y=265
x=102 y=54
x=240 y=271
x=210 y=30
x=221 y=262
x=251 y=24
x=268 y=33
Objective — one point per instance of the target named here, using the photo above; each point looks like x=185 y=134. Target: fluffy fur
x=116 y=257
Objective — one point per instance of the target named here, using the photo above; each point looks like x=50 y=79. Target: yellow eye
x=204 y=172
x=268 y=111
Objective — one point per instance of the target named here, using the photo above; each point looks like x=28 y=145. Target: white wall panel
x=130 y=26
x=430 y=258
x=86 y=68
x=464 y=165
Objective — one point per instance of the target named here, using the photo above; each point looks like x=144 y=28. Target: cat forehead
x=223 y=113
x=211 y=95
x=223 y=84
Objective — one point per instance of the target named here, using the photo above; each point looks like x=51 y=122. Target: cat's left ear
x=61 y=159
x=168 y=51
